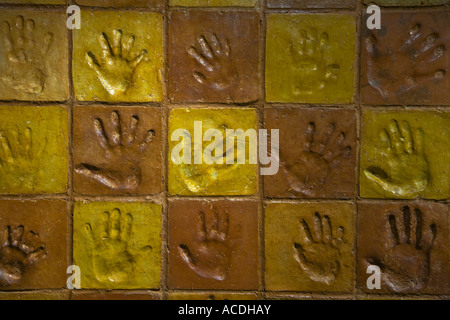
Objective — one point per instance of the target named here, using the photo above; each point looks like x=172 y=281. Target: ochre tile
x=117 y=150
x=213 y=56
x=411 y=3
x=407 y=61
x=34 y=55
x=213 y=245
x=33 y=251
x=309 y=247
x=404 y=154
x=211 y=296
x=213 y=3
x=130 y=68
x=311 y=4
x=310 y=58
x=409 y=242
x=113 y=295
x=35 y=295
x=317 y=153
x=33 y=150
x=35 y=1
x=117 y=245
x=211 y=179
x=122 y=3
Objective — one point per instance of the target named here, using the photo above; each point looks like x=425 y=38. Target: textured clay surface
x=211 y=179
x=212 y=296
x=213 y=3
x=129 y=68
x=35 y=295
x=309 y=246
x=117 y=150
x=311 y=4
x=33 y=250
x=317 y=153
x=405 y=154
x=406 y=2
x=408 y=241
x=310 y=58
x=117 y=245
x=33 y=150
x=213 y=56
x=407 y=61
x=213 y=245
x=113 y=295
x=33 y=55
x=121 y=3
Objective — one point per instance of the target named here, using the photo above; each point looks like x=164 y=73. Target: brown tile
x=192 y=295
x=122 y=3
x=105 y=165
x=311 y=4
x=213 y=245
x=114 y=295
x=317 y=153
x=213 y=56
x=411 y=261
x=34 y=241
x=35 y=295
x=407 y=61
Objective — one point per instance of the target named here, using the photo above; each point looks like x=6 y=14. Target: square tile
x=213 y=3
x=130 y=67
x=117 y=245
x=34 y=55
x=122 y=3
x=33 y=250
x=213 y=245
x=310 y=58
x=407 y=61
x=411 y=3
x=311 y=4
x=214 y=56
x=205 y=179
x=117 y=150
x=317 y=153
x=409 y=242
x=113 y=295
x=404 y=154
x=33 y=150
x=309 y=246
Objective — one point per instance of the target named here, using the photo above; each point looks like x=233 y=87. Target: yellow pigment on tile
x=130 y=68
x=405 y=154
x=213 y=3
x=33 y=150
x=310 y=58
x=326 y=265
x=211 y=179
x=117 y=245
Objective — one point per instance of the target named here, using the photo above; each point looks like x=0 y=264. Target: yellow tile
x=293 y=263
x=211 y=179
x=405 y=154
x=117 y=245
x=35 y=69
x=213 y=3
x=33 y=150
x=310 y=58
x=126 y=70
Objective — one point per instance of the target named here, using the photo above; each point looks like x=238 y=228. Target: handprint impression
x=210 y=256
x=26 y=52
x=394 y=73
x=116 y=68
x=407 y=172
x=123 y=153
x=111 y=257
x=316 y=160
x=214 y=57
x=406 y=264
x=17 y=253
x=319 y=256
x=310 y=64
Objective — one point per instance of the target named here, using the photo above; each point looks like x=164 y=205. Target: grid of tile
x=310 y=67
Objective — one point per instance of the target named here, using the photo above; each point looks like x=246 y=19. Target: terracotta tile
x=37 y=69
x=211 y=296
x=33 y=250
x=407 y=61
x=33 y=152
x=211 y=179
x=311 y=4
x=317 y=153
x=409 y=242
x=35 y=1
x=122 y=3
x=213 y=245
x=35 y=295
x=128 y=72
x=213 y=56
x=117 y=245
x=310 y=58
x=301 y=255
x=130 y=163
x=405 y=154
x=113 y=295
x=411 y=3
x=213 y=3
